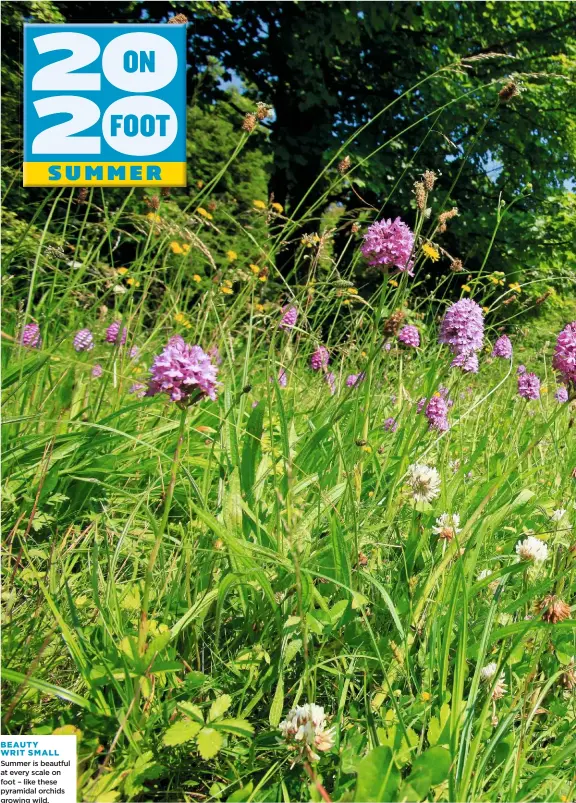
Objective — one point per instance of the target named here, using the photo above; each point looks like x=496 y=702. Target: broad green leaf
x=378 y=777
x=219 y=707
x=419 y=781
x=182 y=731
x=251 y=451
x=432 y=768
x=277 y=703
x=239 y=727
x=292 y=649
x=209 y=742
x=192 y=710
x=242 y=794
x=434 y=731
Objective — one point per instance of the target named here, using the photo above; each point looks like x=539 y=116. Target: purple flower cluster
x=462 y=330
x=529 y=386
x=564 y=360
x=410 y=336
x=521 y=370
x=331 y=381
x=97 y=371
x=561 y=395
x=437 y=413
x=289 y=317
x=354 y=379
x=84 y=340
x=390 y=425
x=320 y=359
x=282 y=378
x=467 y=362
x=134 y=352
x=113 y=332
x=502 y=348
x=31 y=336
x=138 y=389
x=183 y=372
x=389 y=243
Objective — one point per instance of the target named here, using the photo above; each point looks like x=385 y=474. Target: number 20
x=59 y=76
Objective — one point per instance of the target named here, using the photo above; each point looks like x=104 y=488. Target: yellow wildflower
x=153 y=217
x=485 y=309
x=466 y=288
x=200 y=184
x=196 y=278
x=263 y=277
x=277 y=208
x=367 y=449
x=431 y=252
x=393 y=282
x=176 y=247
x=254 y=268
x=122 y=271
x=232 y=255
x=227 y=283
x=515 y=287
x=259 y=204
x=133 y=282
x=179 y=317
x=346 y=301
x=185 y=247
x=426 y=696
x=363 y=354
x=204 y=213
x=227 y=290
x=543 y=388
x=260 y=307
x=352 y=291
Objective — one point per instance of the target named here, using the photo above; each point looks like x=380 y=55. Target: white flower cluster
x=447 y=526
x=424 y=482
x=487 y=674
x=532 y=549
x=305 y=728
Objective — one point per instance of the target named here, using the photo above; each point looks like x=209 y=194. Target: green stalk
x=160 y=534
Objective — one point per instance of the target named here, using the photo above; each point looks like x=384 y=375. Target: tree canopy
x=399 y=87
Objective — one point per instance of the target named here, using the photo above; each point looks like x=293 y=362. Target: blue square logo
x=104 y=105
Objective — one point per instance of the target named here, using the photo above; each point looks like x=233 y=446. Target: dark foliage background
x=328 y=68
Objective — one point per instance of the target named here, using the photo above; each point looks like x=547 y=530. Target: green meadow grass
x=175 y=581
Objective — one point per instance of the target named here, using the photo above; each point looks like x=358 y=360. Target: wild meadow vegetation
x=289 y=488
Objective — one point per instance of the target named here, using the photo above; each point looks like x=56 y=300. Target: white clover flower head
x=447 y=526
x=487 y=675
x=500 y=688
x=305 y=729
x=487 y=672
x=558 y=515
x=424 y=481
x=532 y=549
